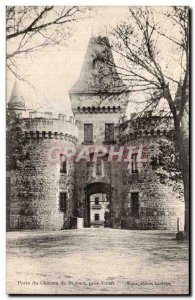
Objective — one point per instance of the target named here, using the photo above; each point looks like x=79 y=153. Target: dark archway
x=97 y=188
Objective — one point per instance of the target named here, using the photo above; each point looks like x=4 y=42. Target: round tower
x=148 y=204
x=42 y=186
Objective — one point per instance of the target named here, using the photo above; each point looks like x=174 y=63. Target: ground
x=96 y=261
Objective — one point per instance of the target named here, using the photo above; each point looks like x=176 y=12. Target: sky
x=53 y=72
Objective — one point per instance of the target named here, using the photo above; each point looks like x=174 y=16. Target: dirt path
x=96 y=261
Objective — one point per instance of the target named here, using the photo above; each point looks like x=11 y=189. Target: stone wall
x=37 y=181
x=92 y=109
x=66 y=185
x=160 y=207
x=35 y=202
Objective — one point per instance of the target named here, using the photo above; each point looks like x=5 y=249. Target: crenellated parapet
x=145 y=126
x=37 y=125
x=98 y=109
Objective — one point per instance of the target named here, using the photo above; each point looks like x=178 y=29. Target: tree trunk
x=182 y=146
x=186 y=198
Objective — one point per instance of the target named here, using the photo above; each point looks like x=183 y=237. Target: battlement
x=145 y=126
x=98 y=109
x=94 y=103
x=47 y=125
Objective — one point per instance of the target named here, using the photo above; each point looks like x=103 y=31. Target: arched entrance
x=98 y=205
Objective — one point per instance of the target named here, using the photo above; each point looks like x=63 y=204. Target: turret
x=42 y=193
x=53 y=126
x=16 y=103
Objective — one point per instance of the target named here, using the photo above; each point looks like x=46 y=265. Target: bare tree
x=33 y=28
x=152 y=50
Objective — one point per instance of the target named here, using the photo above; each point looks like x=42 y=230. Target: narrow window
x=88 y=133
x=134 y=163
x=135 y=204
x=109 y=133
x=63 y=202
x=99 y=168
x=96 y=200
x=63 y=164
x=97 y=217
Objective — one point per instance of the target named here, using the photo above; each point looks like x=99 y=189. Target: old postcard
x=97 y=150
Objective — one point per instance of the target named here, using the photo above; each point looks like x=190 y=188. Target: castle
x=103 y=193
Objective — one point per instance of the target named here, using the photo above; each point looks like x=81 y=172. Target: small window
x=97 y=217
x=135 y=204
x=96 y=200
x=134 y=163
x=63 y=164
x=98 y=168
x=109 y=133
x=63 y=202
x=88 y=133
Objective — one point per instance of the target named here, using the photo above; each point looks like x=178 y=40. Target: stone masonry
x=41 y=195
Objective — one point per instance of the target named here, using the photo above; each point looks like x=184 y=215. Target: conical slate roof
x=98 y=73
x=16 y=99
